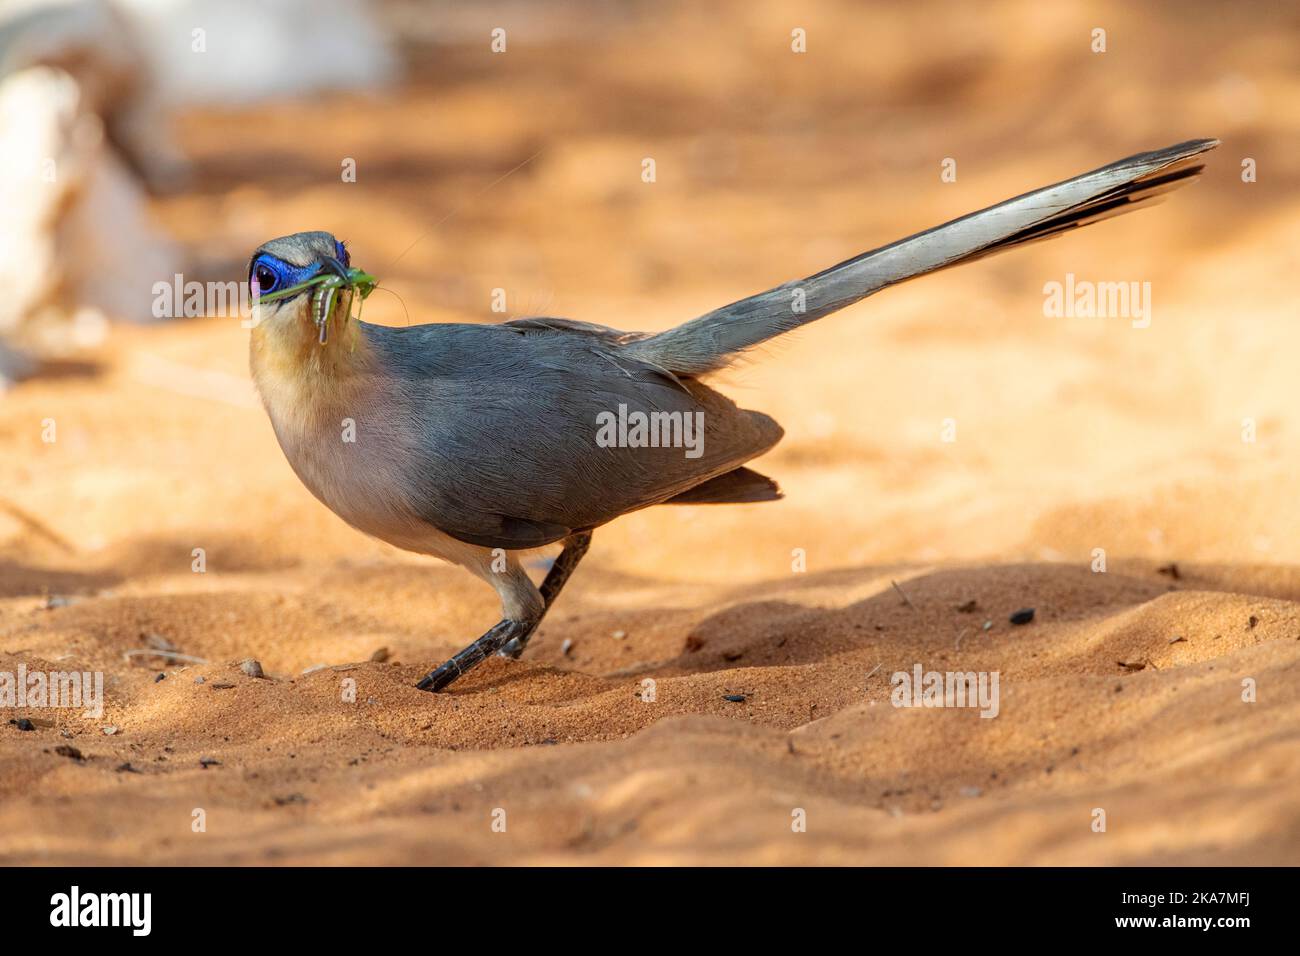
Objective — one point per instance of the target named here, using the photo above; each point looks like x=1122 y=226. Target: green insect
x=326 y=288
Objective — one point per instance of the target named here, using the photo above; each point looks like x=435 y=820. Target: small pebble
x=1023 y=616
x=67 y=750
x=734 y=698
x=251 y=667
x=206 y=762
x=199 y=680
x=161 y=676
x=566 y=646
x=22 y=723
x=127 y=768
x=109 y=730
x=222 y=685
x=618 y=635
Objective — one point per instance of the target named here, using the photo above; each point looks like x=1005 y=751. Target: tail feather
x=714 y=340
x=734 y=487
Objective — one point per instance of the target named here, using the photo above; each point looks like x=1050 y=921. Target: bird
x=482 y=443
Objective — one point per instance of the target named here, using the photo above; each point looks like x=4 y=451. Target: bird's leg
x=511 y=631
x=470 y=657
x=575 y=546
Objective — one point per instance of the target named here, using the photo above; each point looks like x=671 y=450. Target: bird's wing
x=511 y=431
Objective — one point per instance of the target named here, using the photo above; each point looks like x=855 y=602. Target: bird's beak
x=353 y=280
x=325 y=284
x=330 y=264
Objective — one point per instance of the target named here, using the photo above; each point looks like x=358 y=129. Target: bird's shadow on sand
x=937 y=610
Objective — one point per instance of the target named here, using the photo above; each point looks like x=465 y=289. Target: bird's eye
x=264 y=278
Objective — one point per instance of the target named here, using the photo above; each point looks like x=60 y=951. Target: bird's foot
x=439 y=678
x=499 y=637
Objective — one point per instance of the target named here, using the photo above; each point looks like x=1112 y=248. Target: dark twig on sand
x=906 y=600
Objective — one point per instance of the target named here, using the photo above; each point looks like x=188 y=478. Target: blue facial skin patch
x=283 y=274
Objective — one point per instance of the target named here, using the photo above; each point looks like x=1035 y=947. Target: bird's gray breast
x=354 y=455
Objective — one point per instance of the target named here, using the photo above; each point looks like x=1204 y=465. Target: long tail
x=712 y=341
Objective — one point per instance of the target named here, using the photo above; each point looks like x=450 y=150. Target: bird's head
x=304 y=286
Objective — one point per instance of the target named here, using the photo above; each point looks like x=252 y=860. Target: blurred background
x=947 y=434
x=145 y=139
